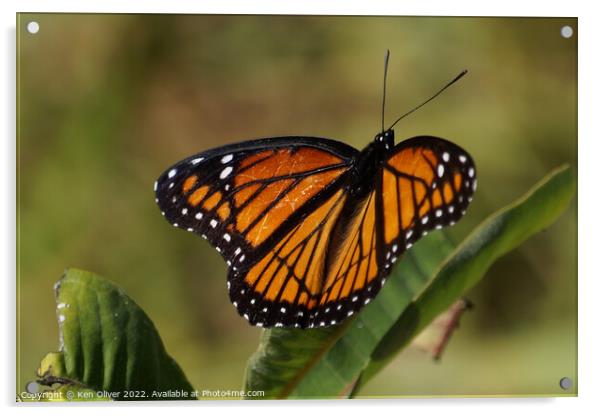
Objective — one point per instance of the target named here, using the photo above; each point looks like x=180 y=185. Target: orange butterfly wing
x=244 y=198
x=426 y=183
x=266 y=206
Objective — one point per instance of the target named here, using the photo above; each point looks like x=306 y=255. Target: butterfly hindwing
x=283 y=287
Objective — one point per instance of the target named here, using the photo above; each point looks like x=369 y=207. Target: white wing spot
x=350 y=312
x=425 y=220
x=440 y=170
x=227 y=158
x=339 y=307
x=409 y=233
x=450 y=209
x=354 y=299
x=227 y=237
x=438 y=213
x=283 y=310
x=394 y=248
x=172 y=173
x=470 y=172
x=175 y=224
x=445 y=157
x=197 y=160
x=190 y=229
x=213 y=223
x=462 y=158
x=170 y=185
x=265 y=309
x=408 y=246
x=242 y=258
x=184 y=211
x=366 y=301
x=226 y=172
x=155 y=186
x=199 y=216
x=237 y=251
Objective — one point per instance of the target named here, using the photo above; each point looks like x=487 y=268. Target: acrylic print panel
x=116 y=303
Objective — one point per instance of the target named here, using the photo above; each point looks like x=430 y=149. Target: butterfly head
x=385 y=139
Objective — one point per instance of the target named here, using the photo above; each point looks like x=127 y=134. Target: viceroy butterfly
x=310 y=227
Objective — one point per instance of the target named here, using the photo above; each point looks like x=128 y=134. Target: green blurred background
x=107 y=102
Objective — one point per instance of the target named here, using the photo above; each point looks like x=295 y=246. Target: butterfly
x=310 y=228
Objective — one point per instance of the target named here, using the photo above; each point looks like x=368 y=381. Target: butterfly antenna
x=384 y=90
x=450 y=83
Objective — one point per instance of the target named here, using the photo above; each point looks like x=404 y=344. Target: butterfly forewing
x=427 y=183
x=244 y=198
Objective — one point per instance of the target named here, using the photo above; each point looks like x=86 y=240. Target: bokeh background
x=107 y=102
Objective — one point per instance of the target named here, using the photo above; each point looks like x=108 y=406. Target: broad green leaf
x=108 y=344
x=495 y=237
x=326 y=363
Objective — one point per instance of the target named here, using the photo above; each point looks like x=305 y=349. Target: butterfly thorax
x=368 y=161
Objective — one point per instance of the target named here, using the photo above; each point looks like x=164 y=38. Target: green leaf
x=327 y=362
x=108 y=344
x=495 y=237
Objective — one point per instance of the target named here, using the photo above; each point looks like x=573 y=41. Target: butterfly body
x=310 y=228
